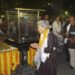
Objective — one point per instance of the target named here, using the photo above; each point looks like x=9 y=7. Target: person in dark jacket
x=71 y=41
x=65 y=25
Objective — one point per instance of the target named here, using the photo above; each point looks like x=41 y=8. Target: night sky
x=57 y=5
x=69 y=5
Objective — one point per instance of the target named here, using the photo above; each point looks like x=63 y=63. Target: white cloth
x=65 y=40
x=37 y=59
x=41 y=56
x=44 y=55
x=44 y=23
x=68 y=28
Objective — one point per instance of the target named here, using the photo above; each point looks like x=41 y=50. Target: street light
x=66 y=12
x=49 y=4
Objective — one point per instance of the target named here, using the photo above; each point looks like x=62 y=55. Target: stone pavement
x=63 y=67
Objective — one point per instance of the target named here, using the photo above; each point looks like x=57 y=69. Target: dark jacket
x=72 y=37
x=52 y=42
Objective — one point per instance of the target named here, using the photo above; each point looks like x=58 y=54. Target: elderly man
x=71 y=40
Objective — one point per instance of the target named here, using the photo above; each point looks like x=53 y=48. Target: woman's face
x=41 y=29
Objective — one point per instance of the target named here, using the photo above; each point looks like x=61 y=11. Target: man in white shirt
x=57 y=26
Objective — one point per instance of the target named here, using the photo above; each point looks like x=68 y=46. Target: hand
x=35 y=45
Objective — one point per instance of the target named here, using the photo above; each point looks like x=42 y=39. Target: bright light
x=49 y=4
x=66 y=12
x=2 y=16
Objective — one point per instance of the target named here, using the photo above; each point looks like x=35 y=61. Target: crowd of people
x=52 y=39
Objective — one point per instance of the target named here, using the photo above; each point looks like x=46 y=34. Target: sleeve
x=49 y=49
x=55 y=27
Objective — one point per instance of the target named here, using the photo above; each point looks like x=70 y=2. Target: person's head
x=57 y=18
x=72 y=20
x=45 y=17
x=42 y=26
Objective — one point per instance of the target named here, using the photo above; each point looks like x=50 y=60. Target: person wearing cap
x=45 y=57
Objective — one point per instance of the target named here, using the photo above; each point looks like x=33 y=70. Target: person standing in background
x=57 y=30
x=65 y=32
x=71 y=41
x=45 y=17
x=57 y=26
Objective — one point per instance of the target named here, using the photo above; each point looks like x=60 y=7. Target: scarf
x=40 y=52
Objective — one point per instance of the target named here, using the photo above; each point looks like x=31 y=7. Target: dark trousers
x=67 y=53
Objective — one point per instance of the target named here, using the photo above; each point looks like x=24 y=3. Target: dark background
x=51 y=5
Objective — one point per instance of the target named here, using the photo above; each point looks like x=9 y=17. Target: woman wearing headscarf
x=45 y=58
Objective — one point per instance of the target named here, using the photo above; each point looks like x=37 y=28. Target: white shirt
x=68 y=28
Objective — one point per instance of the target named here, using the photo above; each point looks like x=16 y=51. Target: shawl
x=40 y=55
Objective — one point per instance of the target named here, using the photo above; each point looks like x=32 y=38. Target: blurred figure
x=12 y=28
x=71 y=40
x=45 y=58
x=1 y=32
x=57 y=29
x=65 y=25
x=57 y=26
x=2 y=35
x=45 y=18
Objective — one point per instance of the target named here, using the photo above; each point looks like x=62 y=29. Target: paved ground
x=63 y=67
